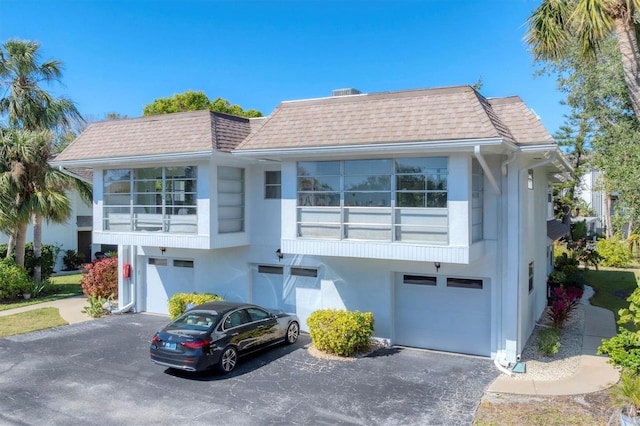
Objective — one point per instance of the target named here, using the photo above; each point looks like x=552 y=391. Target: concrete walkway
x=594 y=373
x=70 y=309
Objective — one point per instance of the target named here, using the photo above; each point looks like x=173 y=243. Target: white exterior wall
x=512 y=222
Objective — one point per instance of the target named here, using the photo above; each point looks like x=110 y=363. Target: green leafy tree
x=557 y=27
x=192 y=100
x=33 y=187
x=602 y=130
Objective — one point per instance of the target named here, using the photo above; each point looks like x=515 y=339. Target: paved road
x=98 y=372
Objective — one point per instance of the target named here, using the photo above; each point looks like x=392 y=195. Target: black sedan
x=216 y=333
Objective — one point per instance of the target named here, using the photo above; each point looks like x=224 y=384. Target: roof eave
x=461 y=145
x=136 y=159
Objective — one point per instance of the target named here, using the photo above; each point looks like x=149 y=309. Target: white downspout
x=131 y=282
x=500 y=360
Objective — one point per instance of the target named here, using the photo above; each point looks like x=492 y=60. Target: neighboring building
x=427 y=207
x=75 y=234
x=595 y=198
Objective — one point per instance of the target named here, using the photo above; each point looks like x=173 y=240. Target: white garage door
x=164 y=278
x=269 y=289
x=448 y=314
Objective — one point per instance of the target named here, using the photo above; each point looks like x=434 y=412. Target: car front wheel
x=293 y=331
x=228 y=359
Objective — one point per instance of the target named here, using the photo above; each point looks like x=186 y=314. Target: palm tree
x=28 y=106
x=557 y=25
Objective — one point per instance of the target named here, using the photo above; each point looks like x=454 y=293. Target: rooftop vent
x=346 y=92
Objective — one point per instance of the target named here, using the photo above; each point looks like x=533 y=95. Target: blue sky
x=119 y=55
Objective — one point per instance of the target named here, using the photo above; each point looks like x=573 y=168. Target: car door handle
x=234 y=334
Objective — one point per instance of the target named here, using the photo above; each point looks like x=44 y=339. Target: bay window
x=157 y=199
x=402 y=199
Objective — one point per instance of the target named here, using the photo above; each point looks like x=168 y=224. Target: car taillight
x=155 y=339
x=196 y=345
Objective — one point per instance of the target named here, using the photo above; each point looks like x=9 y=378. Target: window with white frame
x=272 y=185
x=530 y=276
x=403 y=199
x=230 y=199
x=156 y=199
x=477 y=201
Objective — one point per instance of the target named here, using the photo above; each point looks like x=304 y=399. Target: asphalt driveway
x=98 y=372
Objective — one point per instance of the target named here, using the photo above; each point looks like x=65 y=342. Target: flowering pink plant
x=563 y=303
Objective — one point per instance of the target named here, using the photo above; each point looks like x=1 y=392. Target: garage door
x=164 y=277
x=268 y=288
x=448 y=314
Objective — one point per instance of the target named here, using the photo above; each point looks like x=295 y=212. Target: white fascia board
x=141 y=159
x=461 y=145
x=560 y=162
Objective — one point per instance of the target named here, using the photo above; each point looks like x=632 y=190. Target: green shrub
x=101 y=278
x=73 y=260
x=96 y=308
x=41 y=287
x=343 y=333
x=623 y=350
x=614 y=252
x=179 y=301
x=14 y=281
x=47 y=260
x=549 y=341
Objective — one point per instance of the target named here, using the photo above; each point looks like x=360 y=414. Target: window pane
x=464 y=283
x=437 y=182
x=272 y=192
x=319 y=183
x=421 y=165
x=315 y=199
x=437 y=199
x=410 y=199
x=315 y=168
x=272 y=178
x=367 y=183
x=410 y=182
x=304 y=272
x=366 y=167
x=116 y=175
x=265 y=269
x=183 y=263
x=157 y=262
x=419 y=279
x=367 y=199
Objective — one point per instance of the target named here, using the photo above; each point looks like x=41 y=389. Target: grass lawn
x=26 y=322
x=612 y=287
x=63 y=286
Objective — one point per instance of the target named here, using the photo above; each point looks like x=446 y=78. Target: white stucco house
x=429 y=208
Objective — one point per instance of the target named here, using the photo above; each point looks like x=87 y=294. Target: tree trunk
x=607 y=216
x=37 y=246
x=11 y=245
x=628 y=45
x=21 y=239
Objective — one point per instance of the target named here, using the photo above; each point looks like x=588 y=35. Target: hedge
x=178 y=302
x=340 y=332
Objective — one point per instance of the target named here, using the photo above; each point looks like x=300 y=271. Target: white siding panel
x=373 y=250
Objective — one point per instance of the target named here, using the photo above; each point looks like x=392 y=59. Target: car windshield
x=200 y=321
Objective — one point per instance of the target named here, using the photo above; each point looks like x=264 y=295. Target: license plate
x=170 y=346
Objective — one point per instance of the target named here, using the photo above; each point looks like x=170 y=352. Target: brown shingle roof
x=525 y=126
x=427 y=115
x=184 y=132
